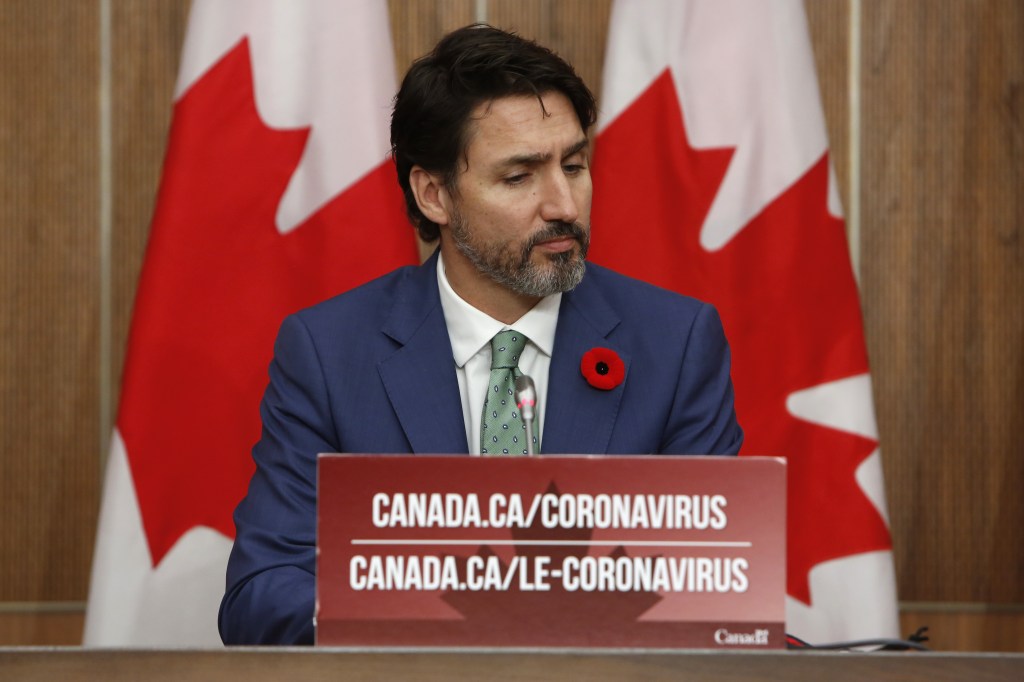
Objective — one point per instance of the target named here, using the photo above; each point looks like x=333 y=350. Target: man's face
x=521 y=213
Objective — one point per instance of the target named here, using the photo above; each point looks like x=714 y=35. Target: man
x=489 y=136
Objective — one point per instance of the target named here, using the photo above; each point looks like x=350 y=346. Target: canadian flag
x=712 y=178
x=276 y=193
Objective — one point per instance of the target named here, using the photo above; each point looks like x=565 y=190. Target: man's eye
x=516 y=179
x=573 y=168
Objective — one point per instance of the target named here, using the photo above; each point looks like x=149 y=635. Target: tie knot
x=506 y=347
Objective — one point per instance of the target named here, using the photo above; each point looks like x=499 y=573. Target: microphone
x=526 y=401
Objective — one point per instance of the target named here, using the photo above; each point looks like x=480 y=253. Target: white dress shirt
x=471 y=330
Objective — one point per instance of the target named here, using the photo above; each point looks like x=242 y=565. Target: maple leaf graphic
x=551 y=615
x=787 y=298
x=218 y=279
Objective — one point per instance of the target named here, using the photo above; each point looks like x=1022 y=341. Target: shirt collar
x=470 y=329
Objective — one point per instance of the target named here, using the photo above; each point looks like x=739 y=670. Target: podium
x=651 y=552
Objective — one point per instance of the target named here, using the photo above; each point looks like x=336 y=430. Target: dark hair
x=471 y=65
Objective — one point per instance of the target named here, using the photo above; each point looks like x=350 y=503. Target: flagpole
x=106 y=230
x=853 y=215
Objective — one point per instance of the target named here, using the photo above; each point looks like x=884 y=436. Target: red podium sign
x=638 y=551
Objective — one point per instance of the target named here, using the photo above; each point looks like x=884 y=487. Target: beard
x=511 y=265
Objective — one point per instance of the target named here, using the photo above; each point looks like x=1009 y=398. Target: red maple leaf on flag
x=787 y=298
x=217 y=281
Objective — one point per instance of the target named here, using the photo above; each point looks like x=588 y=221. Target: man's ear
x=431 y=195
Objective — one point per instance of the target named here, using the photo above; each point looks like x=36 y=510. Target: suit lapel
x=420 y=376
x=579 y=418
x=421 y=383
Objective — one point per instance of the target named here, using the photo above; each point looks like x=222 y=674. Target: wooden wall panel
x=829 y=25
x=575 y=29
x=416 y=25
x=966 y=629
x=943 y=145
x=48 y=262
x=42 y=627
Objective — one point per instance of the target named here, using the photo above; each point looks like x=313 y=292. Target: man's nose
x=558 y=202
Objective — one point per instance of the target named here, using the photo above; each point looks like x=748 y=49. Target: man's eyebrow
x=576 y=148
x=534 y=159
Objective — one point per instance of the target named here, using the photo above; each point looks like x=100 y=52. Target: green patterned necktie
x=502 y=431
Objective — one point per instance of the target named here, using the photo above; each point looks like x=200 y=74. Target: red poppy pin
x=603 y=368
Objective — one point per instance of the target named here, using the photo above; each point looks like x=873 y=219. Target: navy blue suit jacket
x=372 y=371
